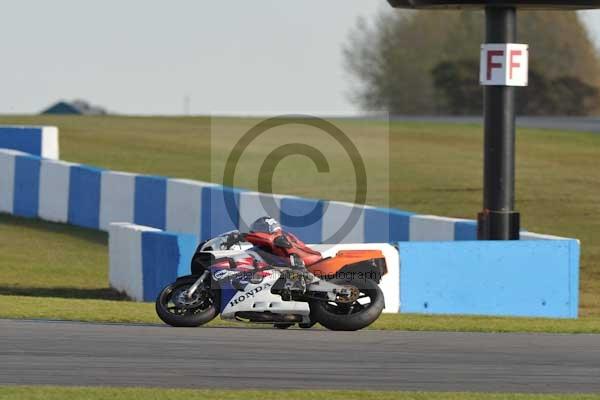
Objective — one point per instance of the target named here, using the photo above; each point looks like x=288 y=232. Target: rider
x=281 y=248
x=266 y=234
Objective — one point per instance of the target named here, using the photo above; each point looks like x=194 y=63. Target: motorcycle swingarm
x=330 y=289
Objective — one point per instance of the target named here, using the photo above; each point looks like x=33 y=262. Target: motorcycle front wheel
x=176 y=309
x=342 y=316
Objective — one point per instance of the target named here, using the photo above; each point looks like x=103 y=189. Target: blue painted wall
x=26 y=186
x=220 y=211
x=465 y=230
x=165 y=256
x=84 y=196
x=518 y=278
x=25 y=139
x=151 y=201
x=303 y=217
x=383 y=225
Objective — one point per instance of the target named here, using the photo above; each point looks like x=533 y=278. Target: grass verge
x=91 y=310
x=101 y=393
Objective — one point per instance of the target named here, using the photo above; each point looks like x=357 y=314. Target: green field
x=92 y=393
x=57 y=271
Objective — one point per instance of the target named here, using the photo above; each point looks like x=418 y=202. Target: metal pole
x=498 y=220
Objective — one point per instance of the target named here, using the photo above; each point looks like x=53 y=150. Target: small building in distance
x=75 y=107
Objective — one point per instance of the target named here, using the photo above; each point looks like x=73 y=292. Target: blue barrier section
x=150 y=201
x=84 y=196
x=26 y=186
x=385 y=225
x=160 y=258
x=303 y=217
x=165 y=256
x=517 y=278
x=187 y=248
x=465 y=230
x=27 y=140
x=220 y=211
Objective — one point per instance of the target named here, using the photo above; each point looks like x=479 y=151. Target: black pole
x=498 y=220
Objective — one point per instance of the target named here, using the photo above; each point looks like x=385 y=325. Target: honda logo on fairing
x=243 y=297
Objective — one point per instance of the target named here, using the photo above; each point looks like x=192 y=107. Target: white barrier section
x=184 y=205
x=125 y=258
x=117 y=198
x=334 y=217
x=430 y=228
x=50 y=147
x=254 y=205
x=539 y=236
x=390 y=283
x=54 y=190
x=7 y=179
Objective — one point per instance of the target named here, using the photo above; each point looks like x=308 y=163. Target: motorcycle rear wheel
x=202 y=308
x=350 y=317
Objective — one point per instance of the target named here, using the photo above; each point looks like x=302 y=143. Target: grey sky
x=145 y=56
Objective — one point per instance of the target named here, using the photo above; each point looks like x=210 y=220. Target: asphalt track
x=70 y=353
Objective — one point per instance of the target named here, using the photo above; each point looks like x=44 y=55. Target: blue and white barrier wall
x=526 y=278
x=40 y=141
x=143 y=260
x=59 y=191
x=90 y=197
x=533 y=278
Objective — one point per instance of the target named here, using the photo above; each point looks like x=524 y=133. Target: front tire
x=201 y=309
x=350 y=317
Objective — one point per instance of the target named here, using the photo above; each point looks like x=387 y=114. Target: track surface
x=66 y=353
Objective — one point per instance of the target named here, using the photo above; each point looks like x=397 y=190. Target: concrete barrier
x=84 y=196
x=220 y=210
x=151 y=201
x=125 y=271
x=33 y=187
x=7 y=179
x=384 y=225
x=254 y=205
x=55 y=177
x=26 y=186
x=40 y=141
x=184 y=205
x=303 y=217
x=117 y=198
x=343 y=223
x=467 y=277
x=142 y=260
x=528 y=278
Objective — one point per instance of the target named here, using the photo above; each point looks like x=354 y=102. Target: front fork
x=190 y=292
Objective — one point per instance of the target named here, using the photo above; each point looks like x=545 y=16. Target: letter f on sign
x=513 y=64
x=491 y=65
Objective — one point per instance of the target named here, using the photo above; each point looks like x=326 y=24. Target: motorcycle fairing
x=257 y=298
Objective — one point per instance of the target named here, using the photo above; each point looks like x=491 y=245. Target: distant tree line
x=415 y=63
x=457 y=92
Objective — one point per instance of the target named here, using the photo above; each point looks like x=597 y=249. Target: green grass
x=98 y=393
x=435 y=169
x=92 y=310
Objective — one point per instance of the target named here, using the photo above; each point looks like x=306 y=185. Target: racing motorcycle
x=240 y=277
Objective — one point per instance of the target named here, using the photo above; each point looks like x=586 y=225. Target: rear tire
x=203 y=311
x=350 y=317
